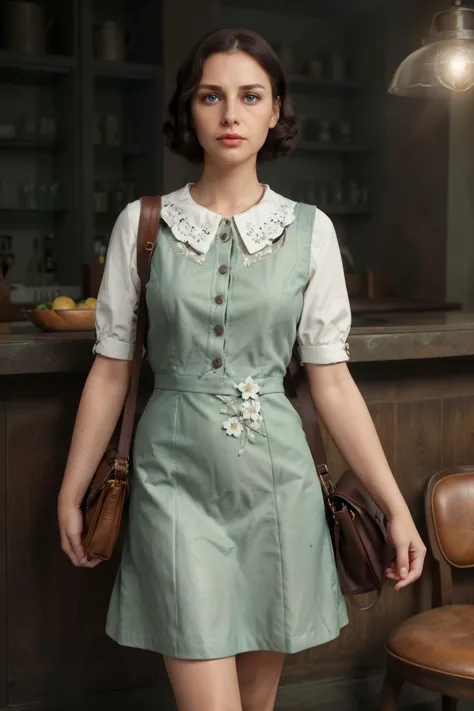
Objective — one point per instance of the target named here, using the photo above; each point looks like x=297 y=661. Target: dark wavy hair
x=178 y=129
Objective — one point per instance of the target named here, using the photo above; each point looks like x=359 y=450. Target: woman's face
x=233 y=98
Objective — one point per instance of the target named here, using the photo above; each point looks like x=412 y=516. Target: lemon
x=90 y=302
x=63 y=302
x=83 y=305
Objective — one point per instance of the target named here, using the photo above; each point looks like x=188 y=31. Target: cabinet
x=333 y=56
x=87 y=131
x=38 y=127
x=80 y=127
x=122 y=116
x=394 y=220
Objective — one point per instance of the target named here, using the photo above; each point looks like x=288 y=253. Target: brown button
x=224 y=236
x=216 y=363
x=219 y=299
x=218 y=330
x=223 y=269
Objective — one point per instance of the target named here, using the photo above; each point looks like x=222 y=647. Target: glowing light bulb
x=454 y=67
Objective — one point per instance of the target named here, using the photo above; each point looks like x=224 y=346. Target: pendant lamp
x=446 y=61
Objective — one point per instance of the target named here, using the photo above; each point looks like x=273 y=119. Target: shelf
x=20 y=68
x=125 y=71
x=318 y=147
x=120 y=151
x=304 y=83
x=15 y=144
x=345 y=210
x=19 y=213
x=112 y=214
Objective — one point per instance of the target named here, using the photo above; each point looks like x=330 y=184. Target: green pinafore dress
x=227 y=548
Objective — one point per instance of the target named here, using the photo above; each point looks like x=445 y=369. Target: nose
x=230 y=113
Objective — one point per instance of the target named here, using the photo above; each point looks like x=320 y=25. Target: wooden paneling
x=57 y=647
x=3 y=560
x=424 y=415
x=56 y=613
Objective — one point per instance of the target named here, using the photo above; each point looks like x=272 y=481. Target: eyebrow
x=245 y=87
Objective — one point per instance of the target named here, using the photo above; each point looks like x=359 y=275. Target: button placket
x=222 y=281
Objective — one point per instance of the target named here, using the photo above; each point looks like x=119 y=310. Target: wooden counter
x=373 y=338
x=416 y=373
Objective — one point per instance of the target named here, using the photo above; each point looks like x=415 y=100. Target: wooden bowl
x=62 y=319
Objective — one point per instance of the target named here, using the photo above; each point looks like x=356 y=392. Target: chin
x=231 y=156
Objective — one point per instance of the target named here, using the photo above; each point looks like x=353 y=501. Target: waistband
x=214 y=384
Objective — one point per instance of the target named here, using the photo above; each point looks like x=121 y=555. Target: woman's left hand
x=409 y=549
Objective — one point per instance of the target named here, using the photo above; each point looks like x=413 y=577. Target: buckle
x=121 y=466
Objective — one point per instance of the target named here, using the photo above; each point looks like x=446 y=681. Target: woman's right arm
x=106 y=385
x=99 y=410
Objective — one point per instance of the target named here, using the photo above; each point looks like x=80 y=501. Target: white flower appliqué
x=250 y=410
x=233 y=426
x=245 y=418
x=249 y=389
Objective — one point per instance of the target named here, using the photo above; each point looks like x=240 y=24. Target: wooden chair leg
x=448 y=703
x=391 y=691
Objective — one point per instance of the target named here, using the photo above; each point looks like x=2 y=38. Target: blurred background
x=83 y=92
x=84 y=87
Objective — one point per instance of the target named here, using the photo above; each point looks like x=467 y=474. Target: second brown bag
x=104 y=501
x=358 y=527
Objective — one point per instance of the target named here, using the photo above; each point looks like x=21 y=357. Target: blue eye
x=252 y=96
x=211 y=98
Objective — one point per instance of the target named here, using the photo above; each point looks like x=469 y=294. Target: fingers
x=68 y=550
x=403 y=573
x=71 y=544
x=93 y=563
x=416 y=568
x=77 y=547
x=70 y=527
x=402 y=561
x=78 y=556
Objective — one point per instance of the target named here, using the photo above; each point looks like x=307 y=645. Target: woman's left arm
x=345 y=414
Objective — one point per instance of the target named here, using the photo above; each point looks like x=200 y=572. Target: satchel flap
x=105 y=525
x=350 y=493
x=350 y=489
x=104 y=471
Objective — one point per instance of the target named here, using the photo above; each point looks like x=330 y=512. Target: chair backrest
x=449 y=507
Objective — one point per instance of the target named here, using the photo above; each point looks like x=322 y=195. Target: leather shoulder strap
x=150 y=211
x=298 y=383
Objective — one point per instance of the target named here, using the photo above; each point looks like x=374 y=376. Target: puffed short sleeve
x=326 y=316
x=117 y=301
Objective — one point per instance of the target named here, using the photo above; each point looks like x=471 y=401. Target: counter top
x=374 y=337
x=407 y=336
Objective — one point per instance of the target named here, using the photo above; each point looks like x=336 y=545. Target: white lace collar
x=197 y=226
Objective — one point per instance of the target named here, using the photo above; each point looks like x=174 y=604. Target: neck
x=228 y=190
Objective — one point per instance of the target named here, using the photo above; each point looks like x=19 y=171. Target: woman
x=228 y=563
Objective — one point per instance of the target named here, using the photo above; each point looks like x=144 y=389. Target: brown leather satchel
x=104 y=501
x=358 y=527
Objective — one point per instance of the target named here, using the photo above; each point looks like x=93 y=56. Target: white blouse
x=325 y=320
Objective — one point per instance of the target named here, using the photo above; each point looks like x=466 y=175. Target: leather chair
x=435 y=649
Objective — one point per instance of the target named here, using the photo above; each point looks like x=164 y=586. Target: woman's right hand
x=70 y=527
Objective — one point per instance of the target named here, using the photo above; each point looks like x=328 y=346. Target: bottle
x=49 y=261
x=33 y=269
x=337 y=67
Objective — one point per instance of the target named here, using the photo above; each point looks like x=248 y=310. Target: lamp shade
x=445 y=63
